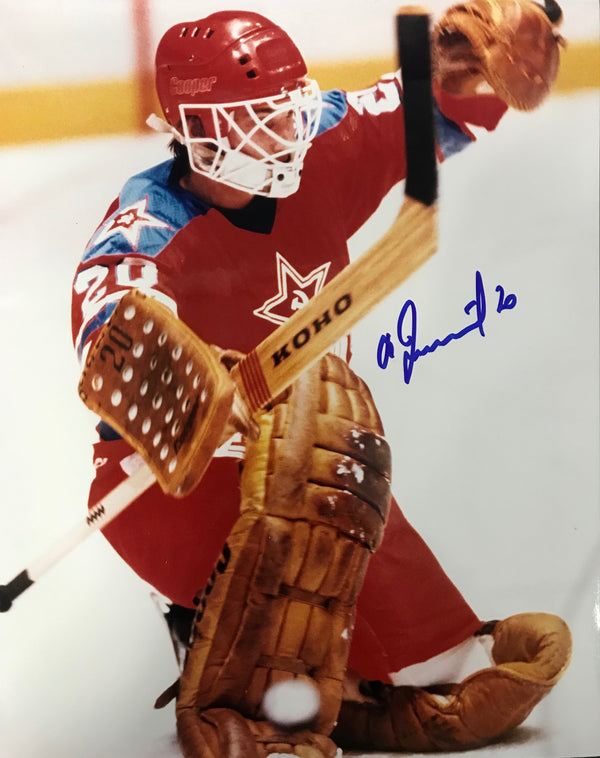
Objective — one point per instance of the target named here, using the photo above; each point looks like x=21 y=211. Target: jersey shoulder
x=382 y=97
x=150 y=209
x=357 y=111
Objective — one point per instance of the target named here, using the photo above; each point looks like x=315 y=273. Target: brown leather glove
x=512 y=45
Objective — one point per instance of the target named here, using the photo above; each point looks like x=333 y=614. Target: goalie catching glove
x=512 y=45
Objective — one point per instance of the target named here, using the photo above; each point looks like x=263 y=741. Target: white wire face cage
x=257 y=146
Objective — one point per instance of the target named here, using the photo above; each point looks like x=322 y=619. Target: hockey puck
x=292 y=705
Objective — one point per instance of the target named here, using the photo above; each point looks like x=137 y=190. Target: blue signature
x=406 y=328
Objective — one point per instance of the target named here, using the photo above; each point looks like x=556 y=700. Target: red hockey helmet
x=226 y=83
x=227 y=56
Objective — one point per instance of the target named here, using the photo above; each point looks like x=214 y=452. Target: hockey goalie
x=302 y=569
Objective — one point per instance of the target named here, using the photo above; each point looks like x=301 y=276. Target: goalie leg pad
x=315 y=494
x=531 y=652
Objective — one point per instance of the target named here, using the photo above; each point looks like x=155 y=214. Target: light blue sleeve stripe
x=450 y=136
x=98 y=321
x=335 y=108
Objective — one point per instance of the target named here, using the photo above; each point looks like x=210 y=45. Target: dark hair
x=182 y=160
x=181 y=163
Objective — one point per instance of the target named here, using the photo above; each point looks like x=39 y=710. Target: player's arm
x=125 y=252
x=361 y=150
x=97 y=291
x=100 y=283
x=488 y=53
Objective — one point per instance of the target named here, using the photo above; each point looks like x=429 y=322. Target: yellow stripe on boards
x=68 y=110
x=65 y=111
x=351 y=75
x=580 y=68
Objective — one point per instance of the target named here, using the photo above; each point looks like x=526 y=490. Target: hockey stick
x=410 y=241
x=97 y=517
x=274 y=364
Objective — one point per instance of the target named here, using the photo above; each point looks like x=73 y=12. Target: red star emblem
x=129 y=222
x=293 y=291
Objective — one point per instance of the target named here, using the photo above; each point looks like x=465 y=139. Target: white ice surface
x=495 y=440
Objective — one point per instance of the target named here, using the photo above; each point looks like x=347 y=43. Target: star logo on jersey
x=129 y=222
x=293 y=291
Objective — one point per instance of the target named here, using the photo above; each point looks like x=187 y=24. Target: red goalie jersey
x=233 y=276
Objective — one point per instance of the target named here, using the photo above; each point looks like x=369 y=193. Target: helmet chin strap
x=236 y=169
x=160 y=125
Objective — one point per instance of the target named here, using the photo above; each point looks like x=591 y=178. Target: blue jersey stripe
x=98 y=321
x=335 y=107
x=450 y=136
